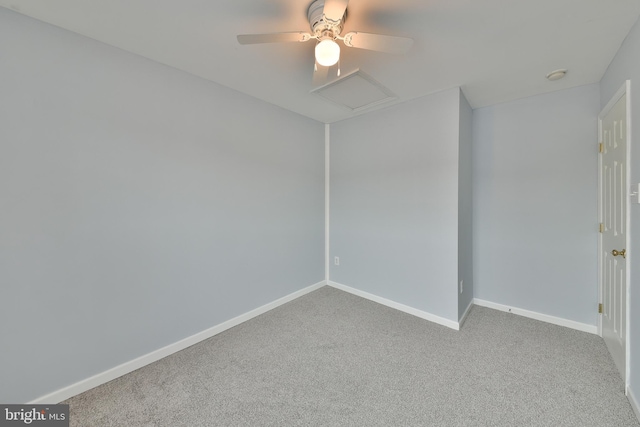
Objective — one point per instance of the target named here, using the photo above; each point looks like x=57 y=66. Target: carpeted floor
x=333 y=359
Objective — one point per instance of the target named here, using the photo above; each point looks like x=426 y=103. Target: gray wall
x=140 y=205
x=535 y=203
x=465 y=206
x=394 y=203
x=626 y=66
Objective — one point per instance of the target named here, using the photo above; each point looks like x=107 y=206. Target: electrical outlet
x=336 y=260
x=461 y=286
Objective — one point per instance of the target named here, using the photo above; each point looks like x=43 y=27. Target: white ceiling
x=496 y=50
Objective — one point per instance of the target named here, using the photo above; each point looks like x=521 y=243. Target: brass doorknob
x=622 y=252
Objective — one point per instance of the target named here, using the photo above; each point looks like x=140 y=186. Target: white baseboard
x=127 y=367
x=584 y=327
x=634 y=402
x=466 y=313
x=405 y=308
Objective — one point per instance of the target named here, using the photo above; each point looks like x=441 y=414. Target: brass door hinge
x=600 y=310
x=601 y=148
x=602 y=227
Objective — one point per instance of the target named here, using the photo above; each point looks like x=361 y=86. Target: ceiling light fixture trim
x=557 y=74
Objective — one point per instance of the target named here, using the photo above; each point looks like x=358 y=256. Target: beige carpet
x=334 y=359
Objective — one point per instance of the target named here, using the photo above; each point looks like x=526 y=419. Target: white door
x=613 y=247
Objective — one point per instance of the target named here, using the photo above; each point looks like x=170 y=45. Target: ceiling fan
x=326 y=18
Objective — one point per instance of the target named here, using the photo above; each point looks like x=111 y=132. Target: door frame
x=625 y=89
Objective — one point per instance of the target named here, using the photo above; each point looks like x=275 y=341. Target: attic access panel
x=355 y=91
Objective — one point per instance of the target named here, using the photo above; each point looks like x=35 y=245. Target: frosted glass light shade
x=327 y=52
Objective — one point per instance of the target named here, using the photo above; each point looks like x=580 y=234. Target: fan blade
x=388 y=44
x=273 y=38
x=323 y=75
x=334 y=9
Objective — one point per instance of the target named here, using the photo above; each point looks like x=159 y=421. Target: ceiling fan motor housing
x=321 y=27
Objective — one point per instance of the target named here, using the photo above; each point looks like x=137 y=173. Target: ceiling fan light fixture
x=327 y=52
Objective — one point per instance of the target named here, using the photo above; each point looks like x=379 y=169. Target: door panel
x=614 y=211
